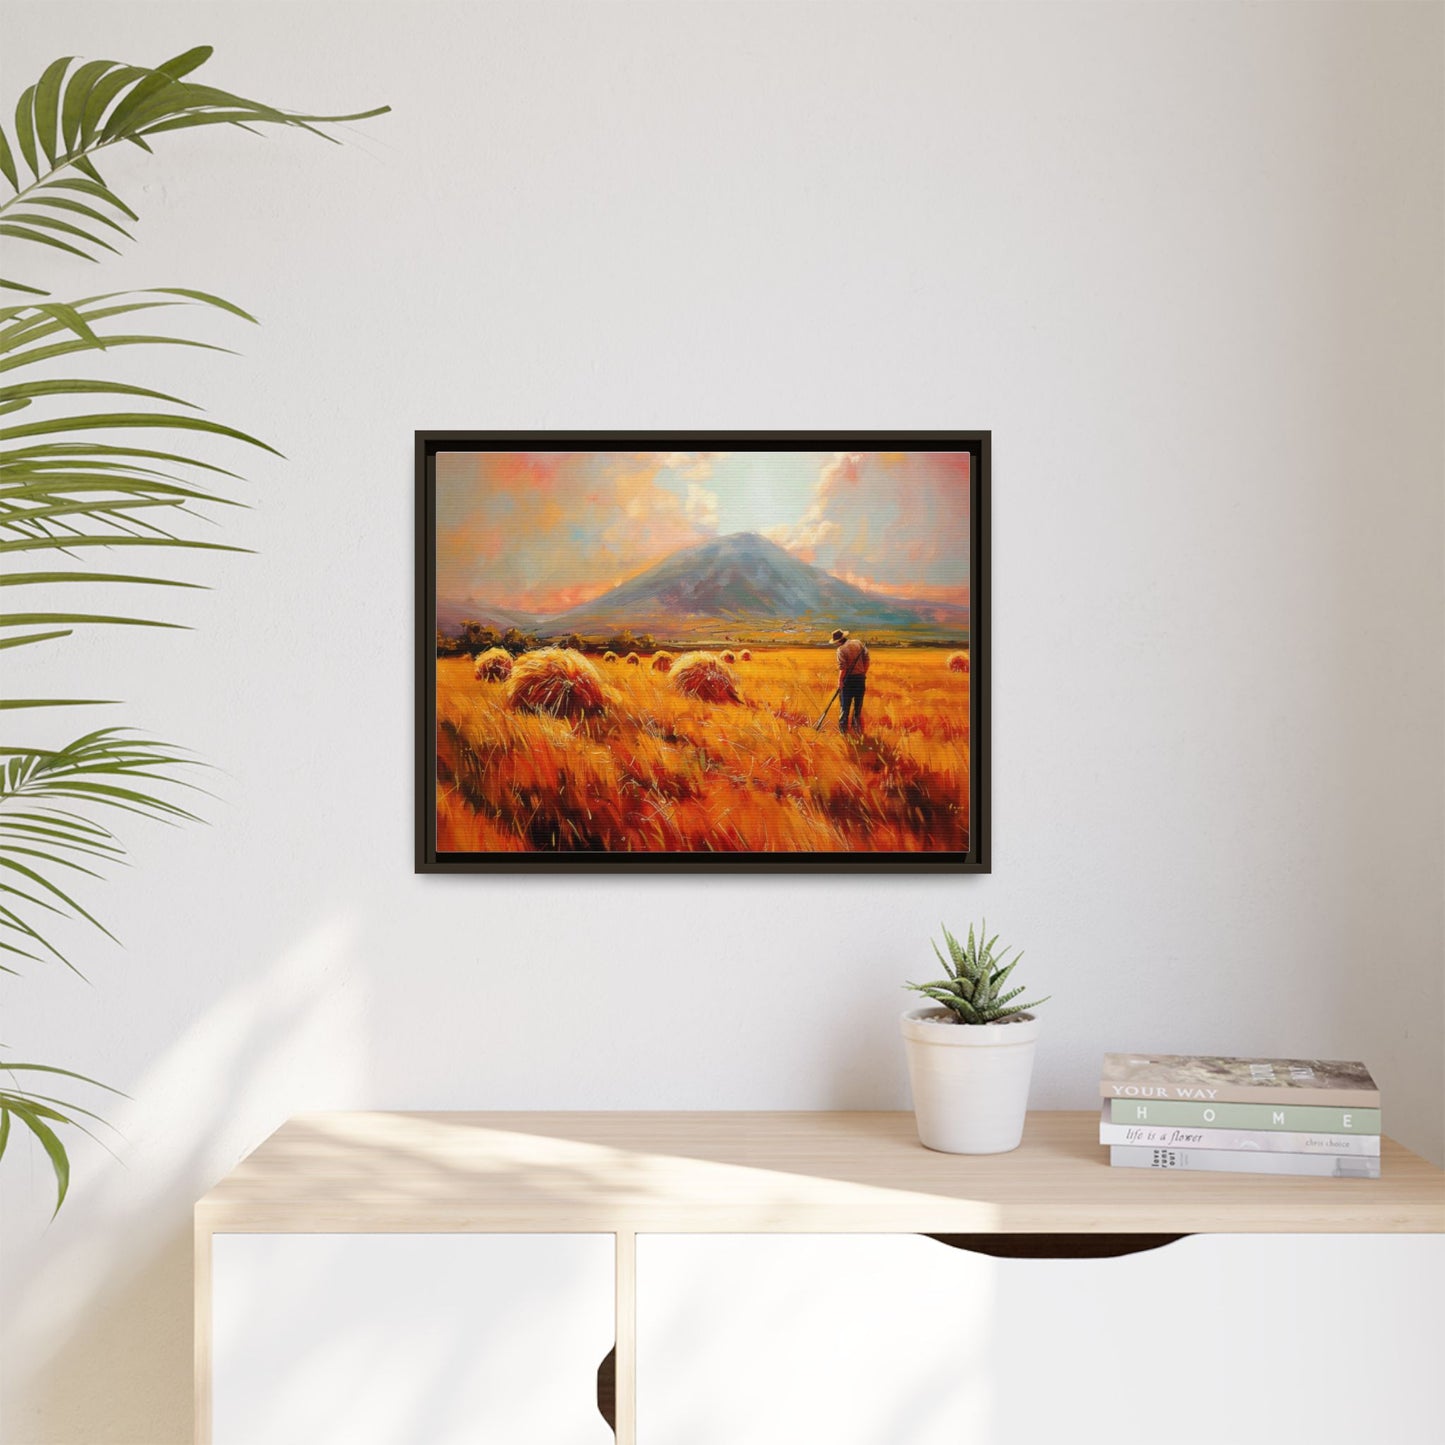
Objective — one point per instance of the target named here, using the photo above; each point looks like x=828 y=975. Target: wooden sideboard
x=664 y=1178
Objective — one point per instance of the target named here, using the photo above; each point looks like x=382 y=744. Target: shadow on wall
x=97 y=1342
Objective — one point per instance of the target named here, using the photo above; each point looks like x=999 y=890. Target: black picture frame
x=977 y=858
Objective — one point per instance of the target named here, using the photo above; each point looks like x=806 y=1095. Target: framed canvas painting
x=678 y=650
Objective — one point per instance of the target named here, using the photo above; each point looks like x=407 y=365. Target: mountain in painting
x=744 y=585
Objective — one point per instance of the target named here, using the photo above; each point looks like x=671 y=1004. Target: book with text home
x=1301 y=1118
x=1241 y=1081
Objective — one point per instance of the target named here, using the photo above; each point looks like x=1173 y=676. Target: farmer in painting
x=852 y=678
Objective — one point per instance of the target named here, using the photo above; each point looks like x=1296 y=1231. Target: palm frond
x=109 y=768
x=63 y=491
x=74 y=482
x=75 y=111
x=40 y=1113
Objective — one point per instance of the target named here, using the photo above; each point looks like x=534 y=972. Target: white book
x=1237 y=1161
x=1264 y=1141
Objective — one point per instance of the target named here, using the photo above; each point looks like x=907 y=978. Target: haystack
x=609 y=657
x=633 y=660
x=556 y=682
x=661 y=661
x=729 y=658
x=958 y=662
x=494 y=665
x=705 y=676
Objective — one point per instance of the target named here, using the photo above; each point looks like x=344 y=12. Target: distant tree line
x=474 y=637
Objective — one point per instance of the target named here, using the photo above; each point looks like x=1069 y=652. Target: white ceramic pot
x=970 y=1081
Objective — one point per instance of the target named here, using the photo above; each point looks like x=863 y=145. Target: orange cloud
x=953 y=596
x=541 y=532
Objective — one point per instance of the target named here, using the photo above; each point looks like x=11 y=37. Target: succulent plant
x=973 y=990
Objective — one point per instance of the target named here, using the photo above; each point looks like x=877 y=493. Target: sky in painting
x=544 y=531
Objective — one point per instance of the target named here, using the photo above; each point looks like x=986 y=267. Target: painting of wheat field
x=743 y=653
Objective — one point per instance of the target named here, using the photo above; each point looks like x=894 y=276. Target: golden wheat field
x=657 y=771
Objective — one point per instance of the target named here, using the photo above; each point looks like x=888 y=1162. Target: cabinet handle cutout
x=607 y=1389
x=1056 y=1246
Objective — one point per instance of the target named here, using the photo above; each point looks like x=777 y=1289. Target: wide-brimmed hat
x=839 y=635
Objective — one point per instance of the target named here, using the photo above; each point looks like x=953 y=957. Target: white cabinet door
x=870 y=1340
x=396 y=1339
x=796 y=1339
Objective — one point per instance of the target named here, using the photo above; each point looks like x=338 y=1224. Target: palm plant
x=75 y=486
x=974 y=987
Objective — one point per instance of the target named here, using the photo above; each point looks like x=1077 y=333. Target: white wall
x=1185 y=260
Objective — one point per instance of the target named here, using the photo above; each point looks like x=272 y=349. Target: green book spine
x=1307 y=1118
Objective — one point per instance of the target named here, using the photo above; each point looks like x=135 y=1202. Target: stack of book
x=1242 y=1116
